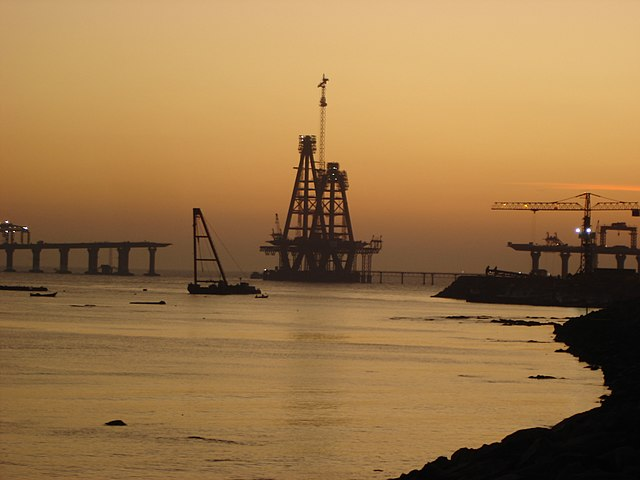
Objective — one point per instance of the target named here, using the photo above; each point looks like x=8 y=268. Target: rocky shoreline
x=600 y=289
x=602 y=443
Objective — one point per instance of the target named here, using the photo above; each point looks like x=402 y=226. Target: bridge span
x=92 y=248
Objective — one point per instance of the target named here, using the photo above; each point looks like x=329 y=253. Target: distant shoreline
x=601 y=443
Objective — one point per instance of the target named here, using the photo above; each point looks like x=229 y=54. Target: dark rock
x=521 y=323
x=116 y=423
x=214 y=440
x=602 y=443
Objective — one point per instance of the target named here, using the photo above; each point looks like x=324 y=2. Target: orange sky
x=118 y=117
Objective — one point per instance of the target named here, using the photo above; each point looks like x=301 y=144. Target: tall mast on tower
x=317 y=243
x=323 y=120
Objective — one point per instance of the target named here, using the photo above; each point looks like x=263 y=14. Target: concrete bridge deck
x=92 y=248
x=619 y=251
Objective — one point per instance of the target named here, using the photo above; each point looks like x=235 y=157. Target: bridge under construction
x=14 y=237
x=589 y=249
x=317 y=243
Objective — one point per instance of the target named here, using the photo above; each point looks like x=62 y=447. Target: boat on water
x=39 y=294
x=23 y=288
x=205 y=255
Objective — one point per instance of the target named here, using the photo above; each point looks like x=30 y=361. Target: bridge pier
x=35 y=265
x=93 y=260
x=620 y=259
x=535 y=260
x=152 y=262
x=564 y=257
x=9 y=263
x=93 y=250
x=424 y=278
x=638 y=260
x=64 y=260
x=123 y=260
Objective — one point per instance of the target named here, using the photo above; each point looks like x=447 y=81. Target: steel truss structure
x=317 y=243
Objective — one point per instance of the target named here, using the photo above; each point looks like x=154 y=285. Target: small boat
x=160 y=302
x=23 y=288
x=222 y=288
x=38 y=294
x=262 y=295
x=204 y=253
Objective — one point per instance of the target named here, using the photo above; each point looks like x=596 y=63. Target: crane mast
x=585 y=233
x=323 y=120
x=9 y=231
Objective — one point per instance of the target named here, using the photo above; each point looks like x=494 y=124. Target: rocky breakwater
x=603 y=443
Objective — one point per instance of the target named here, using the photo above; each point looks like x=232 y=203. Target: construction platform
x=317 y=243
x=619 y=251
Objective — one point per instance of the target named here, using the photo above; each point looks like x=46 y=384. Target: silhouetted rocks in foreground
x=603 y=443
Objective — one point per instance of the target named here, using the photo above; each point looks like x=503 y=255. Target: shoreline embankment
x=602 y=443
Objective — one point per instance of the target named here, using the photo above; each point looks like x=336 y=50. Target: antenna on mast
x=323 y=120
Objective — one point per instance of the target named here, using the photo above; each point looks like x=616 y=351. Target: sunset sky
x=117 y=117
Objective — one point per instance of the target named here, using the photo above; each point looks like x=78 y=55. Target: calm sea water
x=315 y=382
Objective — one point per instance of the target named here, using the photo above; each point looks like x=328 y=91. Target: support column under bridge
x=93 y=253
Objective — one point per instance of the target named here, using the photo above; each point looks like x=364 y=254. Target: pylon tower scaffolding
x=317 y=243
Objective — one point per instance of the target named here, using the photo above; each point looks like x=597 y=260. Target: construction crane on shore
x=9 y=231
x=585 y=233
x=323 y=121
